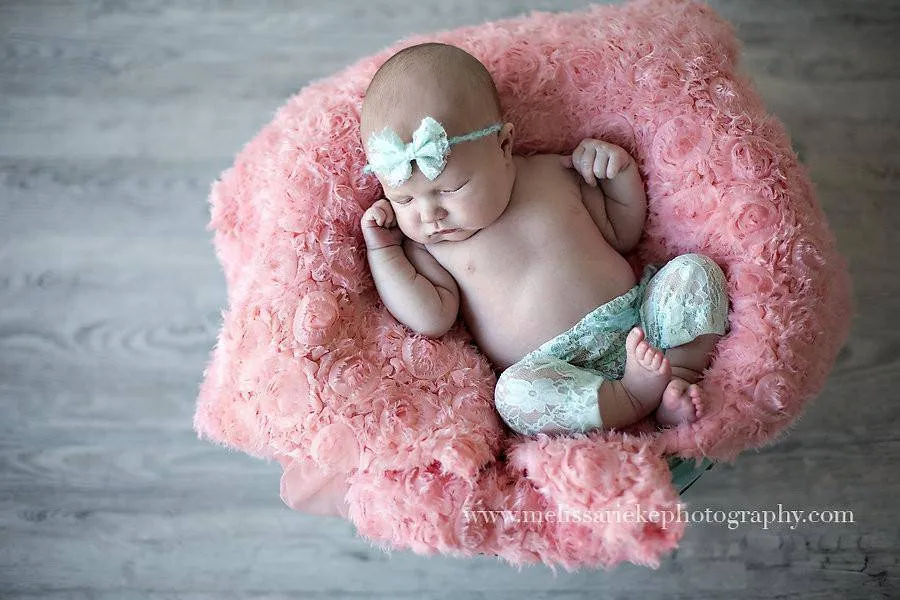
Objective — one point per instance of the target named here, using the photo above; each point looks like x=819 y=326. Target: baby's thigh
x=686 y=299
x=545 y=394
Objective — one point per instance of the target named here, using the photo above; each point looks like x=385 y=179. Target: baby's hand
x=596 y=159
x=379 y=226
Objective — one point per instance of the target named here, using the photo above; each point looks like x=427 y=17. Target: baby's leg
x=681 y=400
x=685 y=310
x=543 y=394
x=690 y=360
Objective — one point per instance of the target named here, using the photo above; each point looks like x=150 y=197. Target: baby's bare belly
x=514 y=312
x=538 y=269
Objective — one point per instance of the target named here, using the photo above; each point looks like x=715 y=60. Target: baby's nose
x=432 y=213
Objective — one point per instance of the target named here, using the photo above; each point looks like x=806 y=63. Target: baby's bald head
x=475 y=185
x=438 y=80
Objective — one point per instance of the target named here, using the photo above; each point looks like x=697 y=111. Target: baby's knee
x=698 y=267
x=511 y=400
x=548 y=397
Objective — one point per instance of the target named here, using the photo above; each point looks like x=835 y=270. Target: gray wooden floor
x=114 y=119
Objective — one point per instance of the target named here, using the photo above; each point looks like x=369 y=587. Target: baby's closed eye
x=450 y=190
x=456 y=188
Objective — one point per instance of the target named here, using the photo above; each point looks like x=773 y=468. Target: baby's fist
x=596 y=159
x=379 y=226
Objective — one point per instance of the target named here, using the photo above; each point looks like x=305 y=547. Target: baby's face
x=471 y=193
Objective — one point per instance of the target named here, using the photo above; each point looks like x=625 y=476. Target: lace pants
x=554 y=388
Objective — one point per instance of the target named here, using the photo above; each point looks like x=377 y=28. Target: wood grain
x=115 y=117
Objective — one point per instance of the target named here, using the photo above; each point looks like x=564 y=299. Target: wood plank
x=114 y=120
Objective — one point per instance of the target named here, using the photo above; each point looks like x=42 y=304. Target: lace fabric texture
x=554 y=388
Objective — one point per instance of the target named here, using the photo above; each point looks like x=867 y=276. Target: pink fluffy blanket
x=397 y=432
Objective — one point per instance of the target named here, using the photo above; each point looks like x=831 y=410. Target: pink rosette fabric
x=397 y=432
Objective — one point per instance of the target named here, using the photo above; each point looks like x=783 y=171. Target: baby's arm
x=618 y=204
x=414 y=287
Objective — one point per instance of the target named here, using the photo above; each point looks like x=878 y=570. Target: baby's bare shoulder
x=542 y=158
x=543 y=161
x=547 y=165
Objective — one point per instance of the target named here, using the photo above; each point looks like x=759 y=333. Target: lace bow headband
x=390 y=158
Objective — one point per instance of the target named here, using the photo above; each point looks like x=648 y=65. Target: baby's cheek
x=406 y=222
x=409 y=228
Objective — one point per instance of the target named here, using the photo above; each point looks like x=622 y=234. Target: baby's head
x=454 y=88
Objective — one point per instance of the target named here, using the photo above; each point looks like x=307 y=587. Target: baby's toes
x=696 y=399
x=652 y=358
x=665 y=368
x=656 y=359
x=640 y=351
x=634 y=337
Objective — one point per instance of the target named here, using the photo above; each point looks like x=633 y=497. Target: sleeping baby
x=528 y=250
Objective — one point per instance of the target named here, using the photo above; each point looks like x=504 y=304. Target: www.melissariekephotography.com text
x=763 y=518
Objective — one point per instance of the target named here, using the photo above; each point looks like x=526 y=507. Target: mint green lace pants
x=553 y=389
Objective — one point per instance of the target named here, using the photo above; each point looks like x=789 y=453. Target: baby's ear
x=507 y=135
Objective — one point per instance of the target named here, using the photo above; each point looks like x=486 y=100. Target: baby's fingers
x=380 y=217
x=618 y=162
x=600 y=165
x=584 y=163
x=389 y=216
x=389 y=219
x=375 y=215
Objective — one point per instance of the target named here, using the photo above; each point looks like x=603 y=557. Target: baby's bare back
x=538 y=269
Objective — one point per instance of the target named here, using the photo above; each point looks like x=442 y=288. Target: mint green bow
x=392 y=159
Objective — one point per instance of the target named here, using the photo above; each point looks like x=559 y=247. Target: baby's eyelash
x=457 y=189
x=408 y=200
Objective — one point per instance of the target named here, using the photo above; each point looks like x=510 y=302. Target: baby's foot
x=647 y=370
x=682 y=402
